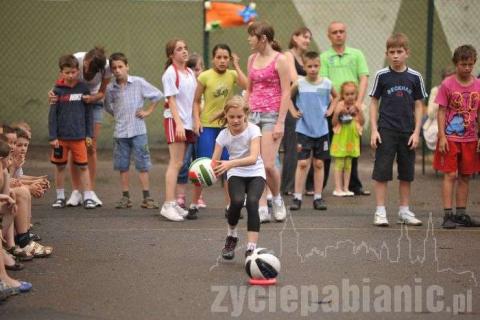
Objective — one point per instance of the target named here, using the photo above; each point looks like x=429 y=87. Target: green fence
x=35 y=33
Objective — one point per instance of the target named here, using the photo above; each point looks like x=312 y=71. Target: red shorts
x=169 y=126
x=78 y=148
x=461 y=157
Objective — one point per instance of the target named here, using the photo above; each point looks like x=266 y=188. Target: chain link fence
x=35 y=33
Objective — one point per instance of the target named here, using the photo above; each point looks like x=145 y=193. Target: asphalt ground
x=132 y=264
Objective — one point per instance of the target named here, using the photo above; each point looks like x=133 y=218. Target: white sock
x=403 y=209
x=232 y=232
x=297 y=196
x=251 y=246
x=269 y=197
x=194 y=206
x=60 y=193
x=317 y=196
x=277 y=199
x=381 y=210
x=87 y=195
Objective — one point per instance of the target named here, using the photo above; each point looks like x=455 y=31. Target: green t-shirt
x=218 y=88
x=347 y=67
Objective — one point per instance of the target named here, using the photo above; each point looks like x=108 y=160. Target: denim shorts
x=97 y=112
x=123 y=148
x=264 y=120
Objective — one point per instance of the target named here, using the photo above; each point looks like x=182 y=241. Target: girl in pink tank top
x=266 y=91
x=269 y=98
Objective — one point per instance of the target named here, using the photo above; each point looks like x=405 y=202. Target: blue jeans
x=123 y=149
x=187 y=159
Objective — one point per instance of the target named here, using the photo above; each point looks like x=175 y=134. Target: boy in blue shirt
x=401 y=92
x=124 y=100
x=312 y=99
x=70 y=129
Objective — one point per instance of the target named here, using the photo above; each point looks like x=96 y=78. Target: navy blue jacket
x=70 y=118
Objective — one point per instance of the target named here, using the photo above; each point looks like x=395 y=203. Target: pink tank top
x=266 y=92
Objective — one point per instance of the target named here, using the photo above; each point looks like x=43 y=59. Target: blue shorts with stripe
x=206 y=143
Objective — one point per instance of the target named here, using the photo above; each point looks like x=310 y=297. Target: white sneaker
x=380 y=219
x=98 y=202
x=264 y=215
x=348 y=193
x=169 y=212
x=75 y=199
x=279 y=211
x=181 y=212
x=408 y=217
x=339 y=193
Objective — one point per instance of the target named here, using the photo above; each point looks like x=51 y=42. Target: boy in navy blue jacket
x=70 y=129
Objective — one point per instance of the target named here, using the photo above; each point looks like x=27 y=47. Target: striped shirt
x=398 y=92
x=124 y=102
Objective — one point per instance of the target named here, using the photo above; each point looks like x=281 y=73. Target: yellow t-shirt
x=218 y=88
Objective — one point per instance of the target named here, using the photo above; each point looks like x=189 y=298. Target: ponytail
x=276 y=46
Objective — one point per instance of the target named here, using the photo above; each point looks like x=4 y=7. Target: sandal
x=19 y=254
x=36 y=250
x=89 y=204
x=59 y=204
x=149 y=203
x=124 y=203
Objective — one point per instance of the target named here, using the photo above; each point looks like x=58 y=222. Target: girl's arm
x=336 y=113
x=359 y=117
x=217 y=152
x=100 y=94
x=291 y=108
x=333 y=103
x=224 y=166
x=249 y=85
x=242 y=79
x=282 y=69
x=197 y=102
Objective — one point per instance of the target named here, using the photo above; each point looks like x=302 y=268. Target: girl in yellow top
x=216 y=85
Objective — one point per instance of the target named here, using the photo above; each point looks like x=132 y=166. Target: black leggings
x=237 y=188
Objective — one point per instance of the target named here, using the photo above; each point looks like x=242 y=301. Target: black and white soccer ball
x=262 y=264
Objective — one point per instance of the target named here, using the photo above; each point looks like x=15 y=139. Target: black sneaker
x=270 y=203
x=464 y=220
x=319 y=204
x=449 y=221
x=228 y=253
x=59 y=204
x=192 y=214
x=226 y=213
x=296 y=204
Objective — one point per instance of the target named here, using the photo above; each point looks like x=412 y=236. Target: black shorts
x=394 y=144
x=319 y=146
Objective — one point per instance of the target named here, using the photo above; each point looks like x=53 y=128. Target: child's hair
x=464 y=52
x=259 y=29
x=97 y=58
x=193 y=59
x=296 y=33
x=221 y=46
x=7 y=129
x=398 y=40
x=170 y=49
x=68 y=61
x=4 y=147
x=346 y=84
x=22 y=125
x=22 y=133
x=447 y=71
x=236 y=101
x=310 y=55
x=118 y=56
